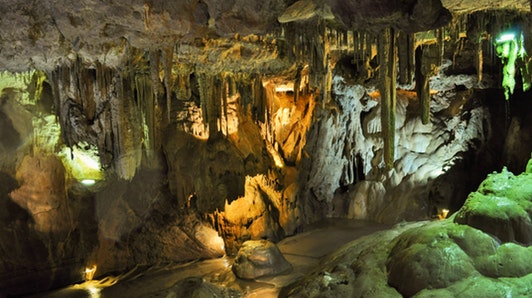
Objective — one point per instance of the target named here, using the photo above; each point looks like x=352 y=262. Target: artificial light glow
x=288 y=87
x=506 y=37
x=510 y=47
x=83 y=163
x=443 y=214
x=89 y=272
x=94 y=292
x=88 y=182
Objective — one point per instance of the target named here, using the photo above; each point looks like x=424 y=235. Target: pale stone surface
x=350 y=140
x=258 y=258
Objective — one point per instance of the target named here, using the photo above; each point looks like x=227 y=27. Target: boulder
x=501 y=206
x=257 y=258
x=429 y=258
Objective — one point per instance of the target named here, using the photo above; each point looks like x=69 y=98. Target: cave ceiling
x=42 y=35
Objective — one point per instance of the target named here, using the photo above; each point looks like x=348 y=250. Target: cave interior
x=291 y=148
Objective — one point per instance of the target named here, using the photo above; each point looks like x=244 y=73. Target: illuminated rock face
x=42 y=193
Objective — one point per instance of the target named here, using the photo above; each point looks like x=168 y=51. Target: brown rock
x=257 y=258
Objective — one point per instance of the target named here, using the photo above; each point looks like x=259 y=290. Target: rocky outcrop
x=258 y=258
x=439 y=258
x=347 y=136
x=501 y=207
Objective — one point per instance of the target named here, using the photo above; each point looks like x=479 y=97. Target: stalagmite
x=388 y=74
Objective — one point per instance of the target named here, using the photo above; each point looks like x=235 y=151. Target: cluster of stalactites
x=310 y=48
x=113 y=109
x=490 y=31
x=225 y=96
x=371 y=51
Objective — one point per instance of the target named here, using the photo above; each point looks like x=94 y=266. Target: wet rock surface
x=259 y=258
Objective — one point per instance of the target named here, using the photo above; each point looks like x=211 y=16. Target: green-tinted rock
x=501 y=207
x=429 y=258
x=511 y=260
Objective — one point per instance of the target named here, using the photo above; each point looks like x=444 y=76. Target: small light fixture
x=88 y=182
x=443 y=214
x=89 y=272
x=506 y=37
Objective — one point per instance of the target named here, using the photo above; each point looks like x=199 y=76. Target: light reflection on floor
x=303 y=251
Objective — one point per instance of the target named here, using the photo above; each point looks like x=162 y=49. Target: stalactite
x=388 y=74
x=144 y=93
x=168 y=79
x=405 y=44
x=478 y=59
x=224 y=90
x=257 y=93
x=232 y=89
x=154 y=71
x=422 y=87
x=297 y=82
x=427 y=63
x=326 y=68
x=206 y=82
x=183 y=88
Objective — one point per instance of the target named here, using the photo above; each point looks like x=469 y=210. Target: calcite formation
x=131 y=132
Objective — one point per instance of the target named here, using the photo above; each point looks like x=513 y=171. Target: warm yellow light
x=94 y=292
x=89 y=272
x=83 y=163
x=443 y=214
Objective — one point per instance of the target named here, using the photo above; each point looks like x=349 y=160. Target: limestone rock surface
x=257 y=258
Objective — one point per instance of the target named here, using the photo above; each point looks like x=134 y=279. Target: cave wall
x=198 y=132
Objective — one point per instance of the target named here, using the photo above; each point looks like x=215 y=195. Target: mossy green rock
x=429 y=257
x=501 y=206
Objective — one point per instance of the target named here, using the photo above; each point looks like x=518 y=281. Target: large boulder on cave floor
x=435 y=256
x=502 y=207
x=257 y=258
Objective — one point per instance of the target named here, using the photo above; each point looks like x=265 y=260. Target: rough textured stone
x=257 y=258
x=501 y=206
x=428 y=258
x=214 y=110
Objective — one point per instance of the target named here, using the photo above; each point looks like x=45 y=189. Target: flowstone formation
x=467 y=254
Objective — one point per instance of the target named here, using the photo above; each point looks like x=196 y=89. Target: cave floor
x=304 y=251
